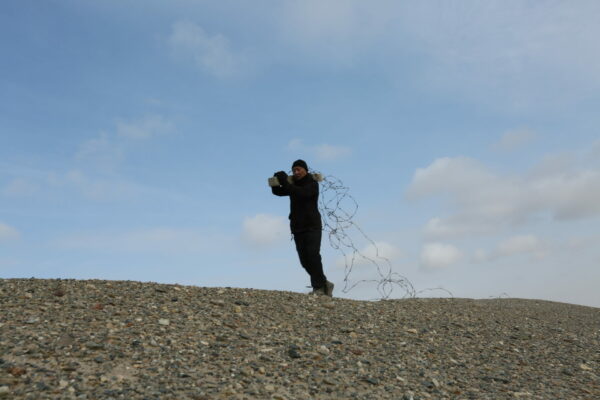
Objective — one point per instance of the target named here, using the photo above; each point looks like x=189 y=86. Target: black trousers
x=308 y=246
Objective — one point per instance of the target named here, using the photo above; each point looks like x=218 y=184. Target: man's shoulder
x=308 y=178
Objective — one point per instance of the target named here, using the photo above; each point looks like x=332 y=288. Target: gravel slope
x=63 y=339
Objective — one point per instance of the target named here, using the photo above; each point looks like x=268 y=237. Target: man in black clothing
x=305 y=222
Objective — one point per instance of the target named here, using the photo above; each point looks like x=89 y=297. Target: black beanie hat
x=300 y=163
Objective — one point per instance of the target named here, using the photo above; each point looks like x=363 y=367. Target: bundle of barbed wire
x=338 y=209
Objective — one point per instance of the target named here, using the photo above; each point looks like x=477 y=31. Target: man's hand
x=282 y=178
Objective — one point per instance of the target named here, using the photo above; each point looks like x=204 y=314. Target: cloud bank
x=264 y=229
x=513 y=140
x=7 y=232
x=211 y=53
x=436 y=256
x=20 y=187
x=525 y=52
x=144 y=128
x=377 y=252
x=320 y=152
x=517 y=245
x=488 y=202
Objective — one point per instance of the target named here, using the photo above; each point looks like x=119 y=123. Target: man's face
x=299 y=173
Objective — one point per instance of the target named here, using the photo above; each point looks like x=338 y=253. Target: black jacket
x=304 y=210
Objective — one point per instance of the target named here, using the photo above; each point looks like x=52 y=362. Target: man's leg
x=308 y=245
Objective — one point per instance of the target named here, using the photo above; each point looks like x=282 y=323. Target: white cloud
x=516 y=245
x=553 y=165
x=20 y=187
x=212 y=53
x=99 y=189
x=101 y=151
x=456 y=226
x=513 y=140
x=264 y=229
x=581 y=242
x=382 y=250
x=8 y=232
x=377 y=252
x=107 y=151
x=320 y=152
x=524 y=51
x=486 y=202
x=146 y=127
x=593 y=157
x=316 y=20
x=448 y=175
x=296 y=145
x=327 y=152
x=522 y=244
x=334 y=30
x=480 y=255
x=596 y=148
x=572 y=196
x=439 y=255
x=152 y=240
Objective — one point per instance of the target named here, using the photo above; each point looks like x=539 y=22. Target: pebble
x=293 y=353
x=164 y=322
x=585 y=367
x=94 y=346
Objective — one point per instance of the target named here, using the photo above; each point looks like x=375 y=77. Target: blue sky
x=136 y=139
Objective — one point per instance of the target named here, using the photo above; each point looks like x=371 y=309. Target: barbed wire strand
x=338 y=222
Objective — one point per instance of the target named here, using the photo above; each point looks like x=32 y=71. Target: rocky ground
x=69 y=339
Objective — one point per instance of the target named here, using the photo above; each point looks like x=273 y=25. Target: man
x=305 y=222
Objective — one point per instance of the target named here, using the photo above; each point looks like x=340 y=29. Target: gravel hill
x=73 y=339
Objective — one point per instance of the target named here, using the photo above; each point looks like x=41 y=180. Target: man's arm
x=310 y=190
x=282 y=189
